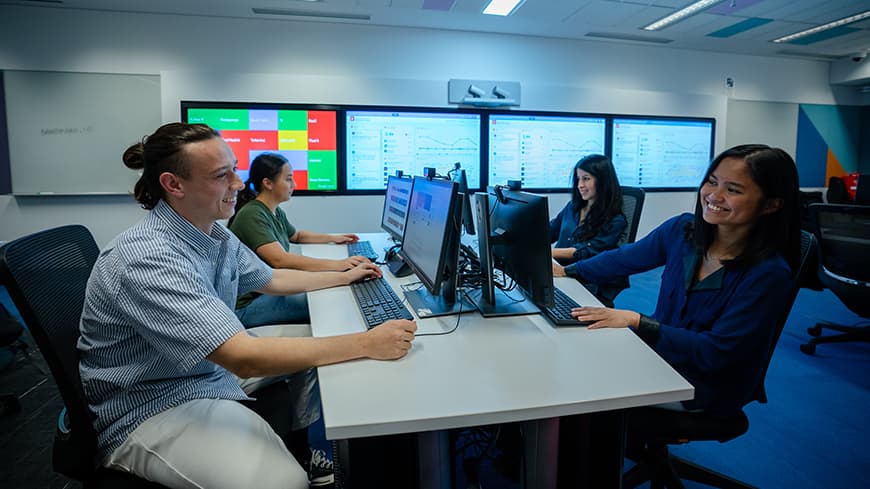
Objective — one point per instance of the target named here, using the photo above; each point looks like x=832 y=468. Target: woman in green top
x=263 y=227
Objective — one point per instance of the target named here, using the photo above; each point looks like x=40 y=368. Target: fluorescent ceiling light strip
x=681 y=14
x=628 y=37
x=310 y=13
x=830 y=25
x=502 y=7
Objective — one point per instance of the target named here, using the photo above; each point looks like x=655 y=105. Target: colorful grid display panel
x=307 y=138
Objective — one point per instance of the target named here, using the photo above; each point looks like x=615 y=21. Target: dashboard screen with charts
x=379 y=142
x=662 y=153
x=541 y=150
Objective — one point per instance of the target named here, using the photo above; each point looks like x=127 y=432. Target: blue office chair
x=843 y=234
x=657 y=465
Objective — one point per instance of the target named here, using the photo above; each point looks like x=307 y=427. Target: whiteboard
x=67 y=131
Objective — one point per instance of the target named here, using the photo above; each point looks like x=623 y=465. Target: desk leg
x=541 y=453
x=433 y=449
x=592 y=450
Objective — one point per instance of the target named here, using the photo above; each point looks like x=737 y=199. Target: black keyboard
x=560 y=313
x=362 y=248
x=378 y=302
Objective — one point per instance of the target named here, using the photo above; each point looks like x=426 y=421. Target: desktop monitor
x=379 y=141
x=304 y=134
x=458 y=176
x=430 y=247
x=662 y=152
x=540 y=149
x=396 y=201
x=513 y=236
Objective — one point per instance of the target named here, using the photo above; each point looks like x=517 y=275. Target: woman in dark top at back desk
x=591 y=222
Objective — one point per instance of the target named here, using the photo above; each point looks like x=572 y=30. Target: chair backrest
x=862 y=193
x=46 y=274
x=837 y=193
x=632 y=205
x=843 y=233
x=804 y=275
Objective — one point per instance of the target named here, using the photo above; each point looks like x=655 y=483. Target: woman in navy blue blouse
x=591 y=222
x=727 y=271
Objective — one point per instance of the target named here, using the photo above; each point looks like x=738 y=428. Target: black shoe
x=320 y=470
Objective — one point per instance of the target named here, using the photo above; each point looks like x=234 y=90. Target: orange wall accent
x=833 y=167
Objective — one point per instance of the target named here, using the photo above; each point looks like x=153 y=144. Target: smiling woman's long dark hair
x=778 y=232
x=608 y=195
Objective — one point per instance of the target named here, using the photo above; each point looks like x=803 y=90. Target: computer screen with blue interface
x=662 y=152
x=430 y=247
x=379 y=142
x=396 y=201
x=540 y=150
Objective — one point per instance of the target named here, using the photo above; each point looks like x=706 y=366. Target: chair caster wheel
x=808 y=348
x=815 y=331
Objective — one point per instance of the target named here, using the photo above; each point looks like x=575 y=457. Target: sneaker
x=320 y=470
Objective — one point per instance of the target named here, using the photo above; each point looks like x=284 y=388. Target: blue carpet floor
x=811 y=433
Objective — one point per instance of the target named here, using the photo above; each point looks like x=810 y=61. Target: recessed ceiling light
x=681 y=14
x=502 y=7
x=830 y=25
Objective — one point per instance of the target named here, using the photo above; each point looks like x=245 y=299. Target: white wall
x=285 y=61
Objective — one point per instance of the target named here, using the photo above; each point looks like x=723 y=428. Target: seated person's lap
x=214 y=443
x=274 y=309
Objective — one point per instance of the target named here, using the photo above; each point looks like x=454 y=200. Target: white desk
x=488 y=371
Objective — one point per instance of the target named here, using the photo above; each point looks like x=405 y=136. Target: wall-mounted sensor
x=476 y=91
x=500 y=92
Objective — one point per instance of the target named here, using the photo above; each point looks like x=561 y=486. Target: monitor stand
x=426 y=305
x=503 y=305
x=398 y=267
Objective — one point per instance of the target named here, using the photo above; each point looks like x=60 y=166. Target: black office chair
x=843 y=235
x=657 y=465
x=10 y=337
x=862 y=192
x=632 y=206
x=46 y=275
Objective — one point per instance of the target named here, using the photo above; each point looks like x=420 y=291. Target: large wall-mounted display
x=660 y=152
x=541 y=149
x=380 y=141
x=305 y=135
x=354 y=149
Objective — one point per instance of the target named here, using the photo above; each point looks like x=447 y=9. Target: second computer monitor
x=430 y=246
x=513 y=235
x=396 y=201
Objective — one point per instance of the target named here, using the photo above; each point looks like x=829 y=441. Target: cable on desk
x=460 y=295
